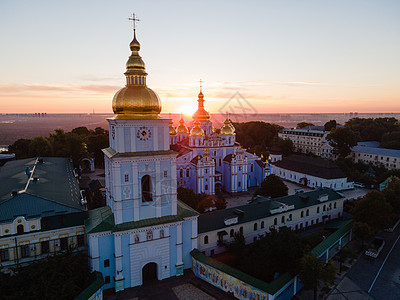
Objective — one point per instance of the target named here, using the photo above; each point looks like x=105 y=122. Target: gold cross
x=134 y=20
x=201 y=84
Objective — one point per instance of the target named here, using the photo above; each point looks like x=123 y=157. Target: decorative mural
x=227 y=283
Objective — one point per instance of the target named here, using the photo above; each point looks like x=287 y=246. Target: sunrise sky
x=282 y=56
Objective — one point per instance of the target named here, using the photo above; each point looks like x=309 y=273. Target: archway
x=218 y=188
x=149 y=272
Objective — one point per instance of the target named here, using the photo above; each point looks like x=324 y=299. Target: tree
x=188 y=197
x=392 y=193
x=330 y=125
x=220 y=202
x=286 y=146
x=272 y=186
x=342 y=139
x=373 y=129
x=303 y=125
x=313 y=271
x=343 y=254
x=363 y=232
x=204 y=203
x=21 y=148
x=374 y=210
x=238 y=244
x=40 y=146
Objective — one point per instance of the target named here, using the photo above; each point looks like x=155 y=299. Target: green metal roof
x=111 y=153
x=92 y=288
x=332 y=239
x=55 y=191
x=271 y=287
x=102 y=219
x=261 y=206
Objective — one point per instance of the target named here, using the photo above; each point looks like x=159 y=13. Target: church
x=144 y=232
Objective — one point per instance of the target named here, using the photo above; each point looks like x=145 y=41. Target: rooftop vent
x=35 y=179
x=40 y=160
x=323 y=198
x=14 y=193
x=238 y=212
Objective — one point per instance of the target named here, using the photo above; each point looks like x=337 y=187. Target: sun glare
x=187 y=110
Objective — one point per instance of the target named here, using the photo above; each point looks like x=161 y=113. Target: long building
x=369 y=152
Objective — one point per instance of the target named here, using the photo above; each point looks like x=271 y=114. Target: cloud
x=57 y=88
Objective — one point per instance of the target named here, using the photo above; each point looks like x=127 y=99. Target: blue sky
x=283 y=56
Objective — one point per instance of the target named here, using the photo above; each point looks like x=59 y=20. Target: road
x=386 y=269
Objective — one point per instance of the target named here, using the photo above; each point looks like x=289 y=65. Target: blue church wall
x=166 y=208
x=127 y=211
x=127 y=140
x=161 y=135
x=147 y=210
x=106 y=251
x=126 y=262
x=226 y=178
x=172 y=250
x=187 y=243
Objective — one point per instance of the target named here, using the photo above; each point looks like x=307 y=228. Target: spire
x=201 y=114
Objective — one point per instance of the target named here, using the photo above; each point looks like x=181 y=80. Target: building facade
x=41 y=210
x=370 y=153
x=144 y=232
x=305 y=140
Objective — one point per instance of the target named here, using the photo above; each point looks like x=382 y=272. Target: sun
x=187 y=110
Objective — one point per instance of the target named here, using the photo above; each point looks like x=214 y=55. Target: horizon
x=291 y=58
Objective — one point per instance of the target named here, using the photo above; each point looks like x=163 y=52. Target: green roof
x=261 y=206
x=92 y=288
x=269 y=287
x=56 y=190
x=102 y=219
x=111 y=153
x=332 y=239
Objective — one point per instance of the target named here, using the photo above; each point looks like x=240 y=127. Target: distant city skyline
x=281 y=56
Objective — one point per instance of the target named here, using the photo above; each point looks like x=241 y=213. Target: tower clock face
x=143 y=134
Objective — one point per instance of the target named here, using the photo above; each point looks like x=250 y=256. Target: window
x=219 y=162
x=161 y=233
x=206 y=171
x=283 y=219
x=232 y=233
x=106 y=279
x=318 y=210
x=4 y=255
x=241 y=230
x=25 y=251
x=45 y=247
x=275 y=221
x=254 y=239
x=64 y=243
x=206 y=187
x=206 y=239
x=240 y=168
x=262 y=224
x=302 y=214
x=251 y=168
x=290 y=217
x=212 y=252
x=146 y=189
x=255 y=226
x=165 y=173
x=334 y=205
x=126 y=177
x=20 y=229
x=307 y=212
x=324 y=208
x=187 y=173
x=81 y=240
x=106 y=263
x=239 y=184
x=181 y=173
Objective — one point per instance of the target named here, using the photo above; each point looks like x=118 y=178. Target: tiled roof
x=111 y=153
x=376 y=151
x=260 y=208
x=181 y=150
x=228 y=158
x=313 y=166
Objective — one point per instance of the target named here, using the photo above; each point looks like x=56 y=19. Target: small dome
x=182 y=128
x=136 y=102
x=201 y=114
x=196 y=130
x=228 y=128
x=172 y=130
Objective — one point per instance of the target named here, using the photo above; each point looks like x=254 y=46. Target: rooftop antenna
x=134 y=20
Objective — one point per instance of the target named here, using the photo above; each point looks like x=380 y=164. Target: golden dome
x=136 y=100
x=196 y=130
x=201 y=114
x=172 y=130
x=182 y=128
x=228 y=128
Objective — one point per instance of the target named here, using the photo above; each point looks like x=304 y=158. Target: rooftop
x=371 y=148
x=260 y=208
x=313 y=166
x=38 y=187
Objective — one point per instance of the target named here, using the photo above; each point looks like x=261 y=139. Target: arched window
x=307 y=212
x=330 y=205
x=318 y=210
x=324 y=208
x=146 y=189
x=187 y=172
x=20 y=229
x=283 y=219
x=290 y=217
x=302 y=214
x=232 y=232
x=181 y=173
x=276 y=221
x=255 y=226
x=262 y=224
x=206 y=239
x=334 y=205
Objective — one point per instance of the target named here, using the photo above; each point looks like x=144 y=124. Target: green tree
x=237 y=246
x=314 y=271
x=374 y=210
x=272 y=186
x=220 y=202
x=188 y=197
x=373 y=129
x=392 y=194
x=330 y=125
x=286 y=146
x=20 y=147
x=391 y=140
x=303 y=125
x=363 y=232
x=95 y=143
x=40 y=146
x=205 y=203
x=344 y=254
x=81 y=131
x=342 y=139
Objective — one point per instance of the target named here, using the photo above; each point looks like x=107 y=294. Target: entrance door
x=149 y=272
